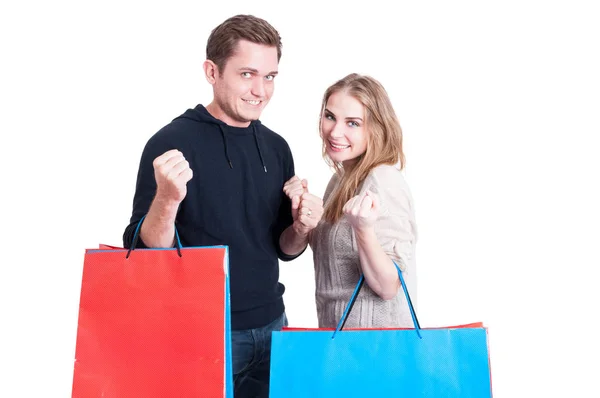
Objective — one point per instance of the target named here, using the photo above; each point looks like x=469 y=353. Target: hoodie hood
x=200 y=115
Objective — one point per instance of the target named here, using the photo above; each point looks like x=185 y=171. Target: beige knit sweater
x=337 y=264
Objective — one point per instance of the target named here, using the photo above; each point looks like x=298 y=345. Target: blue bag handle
x=359 y=285
x=136 y=236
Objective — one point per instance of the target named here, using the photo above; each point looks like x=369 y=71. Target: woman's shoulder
x=386 y=170
x=388 y=182
x=387 y=176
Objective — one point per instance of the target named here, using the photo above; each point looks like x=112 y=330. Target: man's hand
x=307 y=209
x=294 y=188
x=172 y=172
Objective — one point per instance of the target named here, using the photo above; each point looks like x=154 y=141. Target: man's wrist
x=167 y=208
x=300 y=231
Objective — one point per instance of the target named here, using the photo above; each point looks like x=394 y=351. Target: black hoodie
x=234 y=198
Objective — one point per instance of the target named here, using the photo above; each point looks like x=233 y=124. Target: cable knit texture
x=337 y=263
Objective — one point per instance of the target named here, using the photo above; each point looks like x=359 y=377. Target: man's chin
x=251 y=116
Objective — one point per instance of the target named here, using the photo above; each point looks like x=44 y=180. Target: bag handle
x=136 y=236
x=359 y=285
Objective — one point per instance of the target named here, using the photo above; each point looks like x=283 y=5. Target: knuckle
x=162 y=172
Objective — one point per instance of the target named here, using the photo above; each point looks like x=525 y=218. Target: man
x=216 y=173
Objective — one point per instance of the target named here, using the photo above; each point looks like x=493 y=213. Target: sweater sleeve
x=145 y=189
x=284 y=218
x=395 y=227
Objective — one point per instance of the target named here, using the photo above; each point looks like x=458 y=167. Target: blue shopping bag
x=440 y=362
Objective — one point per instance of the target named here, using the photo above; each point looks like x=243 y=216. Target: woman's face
x=342 y=128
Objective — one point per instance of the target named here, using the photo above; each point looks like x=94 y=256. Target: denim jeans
x=251 y=354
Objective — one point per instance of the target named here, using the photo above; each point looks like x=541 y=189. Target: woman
x=368 y=217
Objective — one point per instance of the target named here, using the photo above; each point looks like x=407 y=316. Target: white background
x=499 y=104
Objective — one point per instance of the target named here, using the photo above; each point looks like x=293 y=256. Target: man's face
x=245 y=85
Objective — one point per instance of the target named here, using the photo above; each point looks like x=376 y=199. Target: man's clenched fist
x=172 y=172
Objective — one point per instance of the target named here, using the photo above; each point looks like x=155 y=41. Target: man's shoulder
x=272 y=137
x=276 y=143
x=179 y=126
x=167 y=136
x=178 y=131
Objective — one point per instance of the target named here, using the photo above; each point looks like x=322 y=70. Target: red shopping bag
x=154 y=323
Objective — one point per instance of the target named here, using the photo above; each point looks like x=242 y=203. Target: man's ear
x=210 y=71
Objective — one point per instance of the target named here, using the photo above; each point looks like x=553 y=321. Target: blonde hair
x=384 y=139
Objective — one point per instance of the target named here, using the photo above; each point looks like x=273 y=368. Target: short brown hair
x=225 y=37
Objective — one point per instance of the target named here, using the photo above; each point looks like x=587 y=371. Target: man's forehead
x=258 y=57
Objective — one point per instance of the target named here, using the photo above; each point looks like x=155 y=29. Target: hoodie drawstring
x=225 y=145
x=258 y=147
x=255 y=140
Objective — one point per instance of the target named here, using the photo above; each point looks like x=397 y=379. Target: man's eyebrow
x=246 y=69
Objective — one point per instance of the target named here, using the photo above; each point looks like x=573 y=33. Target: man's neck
x=217 y=112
